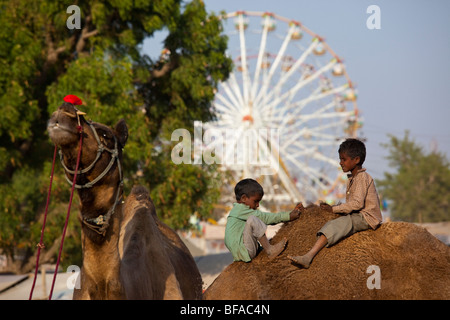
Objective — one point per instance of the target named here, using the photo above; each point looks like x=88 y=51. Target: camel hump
x=139 y=198
x=399 y=260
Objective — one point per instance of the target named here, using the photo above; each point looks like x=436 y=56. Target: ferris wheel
x=286 y=107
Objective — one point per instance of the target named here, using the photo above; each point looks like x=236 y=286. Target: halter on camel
x=99 y=224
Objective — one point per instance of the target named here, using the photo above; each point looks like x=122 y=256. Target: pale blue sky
x=402 y=71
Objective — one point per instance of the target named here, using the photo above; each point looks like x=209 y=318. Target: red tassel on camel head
x=73 y=100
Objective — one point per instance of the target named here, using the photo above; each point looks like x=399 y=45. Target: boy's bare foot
x=304 y=261
x=276 y=249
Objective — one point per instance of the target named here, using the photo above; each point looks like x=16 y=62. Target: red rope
x=40 y=245
x=68 y=211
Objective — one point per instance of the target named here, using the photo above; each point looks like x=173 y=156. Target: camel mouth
x=63 y=123
x=60 y=134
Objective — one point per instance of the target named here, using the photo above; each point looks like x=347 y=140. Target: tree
x=42 y=60
x=420 y=188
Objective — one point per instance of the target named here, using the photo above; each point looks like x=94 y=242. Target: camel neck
x=98 y=214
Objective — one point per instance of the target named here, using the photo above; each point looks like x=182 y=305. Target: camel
x=399 y=260
x=128 y=253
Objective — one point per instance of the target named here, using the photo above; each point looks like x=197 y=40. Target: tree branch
x=52 y=55
x=82 y=40
x=85 y=34
x=166 y=68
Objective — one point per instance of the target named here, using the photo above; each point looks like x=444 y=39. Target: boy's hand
x=294 y=215
x=299 y=207
x=326 y=207
x=296 y=212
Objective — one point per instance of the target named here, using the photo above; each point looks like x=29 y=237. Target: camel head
x=65 y=126
x=64 y=123
x=67 y=123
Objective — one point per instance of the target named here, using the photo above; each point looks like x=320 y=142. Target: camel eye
x=105 y=137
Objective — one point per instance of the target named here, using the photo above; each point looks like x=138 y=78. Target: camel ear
x=121 y=130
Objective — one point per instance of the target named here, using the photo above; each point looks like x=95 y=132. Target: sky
x=401 y=71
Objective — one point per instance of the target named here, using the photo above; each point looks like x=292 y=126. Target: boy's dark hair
x=354 y=148
x=249 y=187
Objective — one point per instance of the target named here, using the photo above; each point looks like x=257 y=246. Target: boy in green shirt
x=246 y=225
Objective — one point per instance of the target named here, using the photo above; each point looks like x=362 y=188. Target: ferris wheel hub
x=248 y=118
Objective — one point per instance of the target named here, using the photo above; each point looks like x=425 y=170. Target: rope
x=68 y=211
x=40 y=245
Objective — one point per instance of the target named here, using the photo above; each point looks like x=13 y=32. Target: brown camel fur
x=413 y=264
x=135 y=256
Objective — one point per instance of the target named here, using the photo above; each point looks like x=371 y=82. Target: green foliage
x=420 y=188
x=41 y=61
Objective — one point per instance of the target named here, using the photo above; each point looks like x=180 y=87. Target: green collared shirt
x=235 y=228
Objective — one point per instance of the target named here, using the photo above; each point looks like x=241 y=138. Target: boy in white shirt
x=361 y=210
